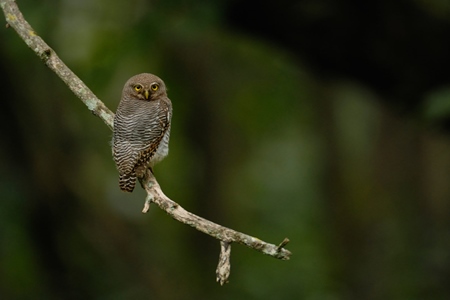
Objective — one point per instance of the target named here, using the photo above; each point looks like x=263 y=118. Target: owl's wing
x=125 y=156
x=155 y=125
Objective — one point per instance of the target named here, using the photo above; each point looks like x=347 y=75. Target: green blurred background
x=323 y=121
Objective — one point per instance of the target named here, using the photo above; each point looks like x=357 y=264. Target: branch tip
x=283 y=243
x=148 y=200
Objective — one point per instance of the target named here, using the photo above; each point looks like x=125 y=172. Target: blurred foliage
x=312 y=120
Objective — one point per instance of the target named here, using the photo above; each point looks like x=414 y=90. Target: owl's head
x=145 y=86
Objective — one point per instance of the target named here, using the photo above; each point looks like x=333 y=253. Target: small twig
x=224 y=266
x=225 y=235
x=283 y=243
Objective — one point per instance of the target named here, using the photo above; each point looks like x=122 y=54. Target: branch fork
x=225 y=235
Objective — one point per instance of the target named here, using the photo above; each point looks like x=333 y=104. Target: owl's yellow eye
x=138 y=88
x=154 y=87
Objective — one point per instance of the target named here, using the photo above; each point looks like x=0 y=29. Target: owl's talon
x=148 y=200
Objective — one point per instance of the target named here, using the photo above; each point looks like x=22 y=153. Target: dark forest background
x=323 y=121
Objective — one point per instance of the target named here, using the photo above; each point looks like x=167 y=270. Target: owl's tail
x=127 y=182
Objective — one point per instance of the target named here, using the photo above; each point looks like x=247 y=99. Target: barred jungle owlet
x=141 y=128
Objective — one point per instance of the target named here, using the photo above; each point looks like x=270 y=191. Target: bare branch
x=15 y=20
x=156 y=195
x=225 y=235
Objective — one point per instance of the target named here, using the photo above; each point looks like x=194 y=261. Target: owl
x=141 y=128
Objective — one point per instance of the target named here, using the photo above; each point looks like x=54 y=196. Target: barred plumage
x=141 y=128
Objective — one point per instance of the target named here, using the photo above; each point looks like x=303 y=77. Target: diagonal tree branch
x=16 y=20
x=225 y=235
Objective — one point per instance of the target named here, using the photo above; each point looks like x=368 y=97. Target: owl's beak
x=146 y=94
